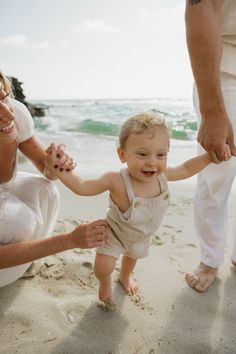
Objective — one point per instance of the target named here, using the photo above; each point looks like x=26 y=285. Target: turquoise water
x=104 y=117
x=89 y=129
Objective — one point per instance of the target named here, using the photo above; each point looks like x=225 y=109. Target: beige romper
x=129 y=233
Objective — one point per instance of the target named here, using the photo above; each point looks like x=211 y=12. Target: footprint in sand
x=87 y=265
x=157 y=240
x=138 y=300
x=180 y=254
x=54 y=271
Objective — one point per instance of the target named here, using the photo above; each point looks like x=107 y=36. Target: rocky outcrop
x=36 y=110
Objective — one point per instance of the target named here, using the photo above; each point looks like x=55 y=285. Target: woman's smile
x=8 y=129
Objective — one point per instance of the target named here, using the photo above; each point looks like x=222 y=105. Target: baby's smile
x=149 y=173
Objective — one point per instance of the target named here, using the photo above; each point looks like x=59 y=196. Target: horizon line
x=111 y=98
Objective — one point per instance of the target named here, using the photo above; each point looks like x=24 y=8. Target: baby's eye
x=142 y=154
x=161 y=156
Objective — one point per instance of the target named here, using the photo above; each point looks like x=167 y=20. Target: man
x=211 y=40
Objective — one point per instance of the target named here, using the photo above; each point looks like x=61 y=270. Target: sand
x=54 y=308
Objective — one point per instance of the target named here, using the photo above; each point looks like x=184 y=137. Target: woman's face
x=7 y=126
x=2 y=91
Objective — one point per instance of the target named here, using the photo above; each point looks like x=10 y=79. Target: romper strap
x=163 y=182
x=128 y=183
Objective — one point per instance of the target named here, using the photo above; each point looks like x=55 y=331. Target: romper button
x=137 y=204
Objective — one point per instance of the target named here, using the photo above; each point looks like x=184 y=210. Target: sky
x=68 y=49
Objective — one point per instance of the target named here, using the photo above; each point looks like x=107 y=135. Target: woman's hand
x=58 y=159
x=89 y=235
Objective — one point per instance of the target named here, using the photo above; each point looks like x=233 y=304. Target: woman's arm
x=34 y=150
x=188 y=169
x=86 y=235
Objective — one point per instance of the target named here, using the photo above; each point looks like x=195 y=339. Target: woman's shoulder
x=19 y=107
x=23 y=121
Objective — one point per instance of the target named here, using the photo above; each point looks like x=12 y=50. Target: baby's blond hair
x=139 y=123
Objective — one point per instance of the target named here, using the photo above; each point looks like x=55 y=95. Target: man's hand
x=89 y=235
x=214 y=134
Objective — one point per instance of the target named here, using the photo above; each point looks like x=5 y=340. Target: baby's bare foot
x=128 y=285
x=105 y=292
x=201 y=278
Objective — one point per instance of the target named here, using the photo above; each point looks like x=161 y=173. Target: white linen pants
x=28 y=212
x=212 y=191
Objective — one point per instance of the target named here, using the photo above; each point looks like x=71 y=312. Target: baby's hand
x=227 y=153
x=58 y=159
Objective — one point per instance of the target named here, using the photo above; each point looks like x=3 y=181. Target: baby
x=139 y=195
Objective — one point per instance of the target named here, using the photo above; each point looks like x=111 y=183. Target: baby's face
x=146 y=154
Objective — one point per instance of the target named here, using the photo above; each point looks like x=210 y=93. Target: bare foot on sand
x=105 y=292
x=129 y=286
x=201 y=278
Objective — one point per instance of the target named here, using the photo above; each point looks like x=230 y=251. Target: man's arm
x=86 y=235
x=203 y=31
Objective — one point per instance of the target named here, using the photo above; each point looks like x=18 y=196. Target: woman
x=28 y=202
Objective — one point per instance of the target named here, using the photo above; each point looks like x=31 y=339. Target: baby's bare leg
x=103 y=267
x=127 y=266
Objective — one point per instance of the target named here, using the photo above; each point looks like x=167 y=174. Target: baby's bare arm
x=76 y=183
x=188 y=169
x=86 y=187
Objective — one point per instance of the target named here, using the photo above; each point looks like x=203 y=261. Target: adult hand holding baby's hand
x=58 y=159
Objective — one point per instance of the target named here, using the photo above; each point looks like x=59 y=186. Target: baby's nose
x=2 y=94
x=152 y=161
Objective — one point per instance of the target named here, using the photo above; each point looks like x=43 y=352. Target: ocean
x=89 y=128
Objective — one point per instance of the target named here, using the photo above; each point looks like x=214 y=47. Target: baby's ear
x=121 y=154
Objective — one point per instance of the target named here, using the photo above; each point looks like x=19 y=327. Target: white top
x=228 y=63
x=24 y=122
x=25 y=129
